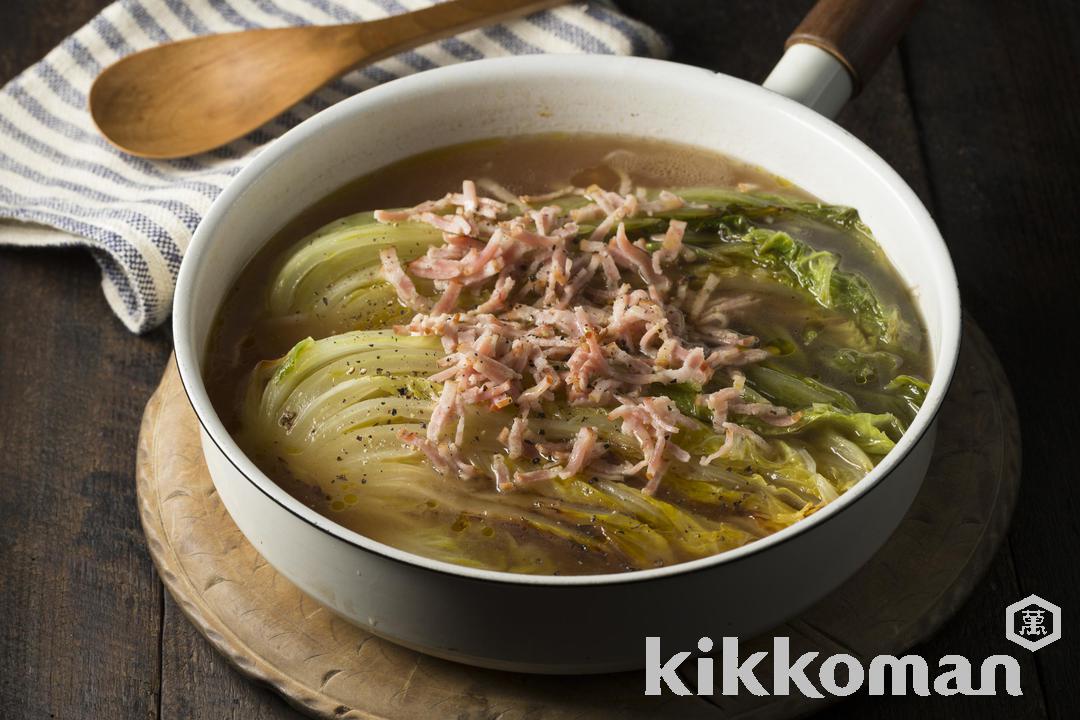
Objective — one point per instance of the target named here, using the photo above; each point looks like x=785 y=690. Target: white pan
x=586 y=623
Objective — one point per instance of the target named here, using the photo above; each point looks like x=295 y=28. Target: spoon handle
x=391 y=35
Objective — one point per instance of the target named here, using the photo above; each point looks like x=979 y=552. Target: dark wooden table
x=978 y=111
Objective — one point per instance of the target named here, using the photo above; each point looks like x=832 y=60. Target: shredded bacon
x=733 y=433
x=594 y=320
x=671 y=245
x=449 y=299
x=719 y=401
x=652 y=421
x=430 y=449
x=394 y=275
x=584 y=452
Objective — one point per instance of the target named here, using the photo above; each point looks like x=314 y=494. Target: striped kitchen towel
x=62 y=184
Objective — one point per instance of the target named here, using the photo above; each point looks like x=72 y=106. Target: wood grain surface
x=271 y=631
x=976 y=111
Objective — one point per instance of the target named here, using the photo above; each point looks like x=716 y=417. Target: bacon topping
x=595 y=321
x=394 y=275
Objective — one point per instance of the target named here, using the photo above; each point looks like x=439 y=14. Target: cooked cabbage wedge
x=325 y=419
x=331 y=282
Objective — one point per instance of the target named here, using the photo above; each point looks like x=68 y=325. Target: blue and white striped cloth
x=62 y=184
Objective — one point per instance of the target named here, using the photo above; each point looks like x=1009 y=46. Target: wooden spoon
x=191 y=96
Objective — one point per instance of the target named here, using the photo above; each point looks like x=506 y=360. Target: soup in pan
x=569 y=355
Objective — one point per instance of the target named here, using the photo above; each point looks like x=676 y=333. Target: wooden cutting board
x=331 y=669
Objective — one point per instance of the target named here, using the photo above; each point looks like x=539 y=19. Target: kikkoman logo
x=838 y=675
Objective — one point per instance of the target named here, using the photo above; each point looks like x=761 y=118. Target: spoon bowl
x=191 y=96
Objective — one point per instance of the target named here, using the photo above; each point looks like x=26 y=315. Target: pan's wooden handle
x=858 y=33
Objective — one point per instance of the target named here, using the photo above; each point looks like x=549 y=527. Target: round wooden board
x=330 y=668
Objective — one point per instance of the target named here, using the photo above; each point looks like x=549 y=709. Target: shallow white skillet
x=591 y=623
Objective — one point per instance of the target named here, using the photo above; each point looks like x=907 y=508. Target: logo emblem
x=1033 y=622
